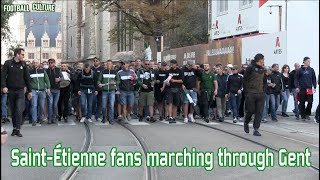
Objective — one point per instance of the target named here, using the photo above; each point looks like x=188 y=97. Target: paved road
x=160 y=136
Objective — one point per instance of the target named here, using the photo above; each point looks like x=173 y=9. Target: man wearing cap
x=234 y=90
x=191 y=74
x=160 y=90
x=97 y=100
x=229 y=72
x=174 y=89
x=146 y=83
x=126 y=79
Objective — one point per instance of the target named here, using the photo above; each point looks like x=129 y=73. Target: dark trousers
x=254 y=105
x=204 y=104
x=17 y=104
x=241 y=108
x=302 y=100
x=76 y=105
x=63 y=103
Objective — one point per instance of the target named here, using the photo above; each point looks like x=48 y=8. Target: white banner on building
x=272 y=46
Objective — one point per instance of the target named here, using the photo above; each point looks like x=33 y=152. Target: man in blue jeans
x=276 y=91
x=126 y=79
x=55 y=76
x=86 y=85
x=97 y=100
x=39 y=83
x=234 y=89
x=293 y=89
x=107 y=82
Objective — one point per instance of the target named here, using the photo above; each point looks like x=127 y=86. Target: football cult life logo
x=239 y=27
x=278 y=49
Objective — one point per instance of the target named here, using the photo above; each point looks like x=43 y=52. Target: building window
x=59 y=55
x=245 y=4
x=30 y=55
x=45 y=43
x=30 y=43
x=45 y=55
x=222 y=7
x=124 y=33
x=59 y=43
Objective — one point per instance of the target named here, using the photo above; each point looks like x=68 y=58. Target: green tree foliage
x=193 y=27
x=5 y=29
x=11 y=49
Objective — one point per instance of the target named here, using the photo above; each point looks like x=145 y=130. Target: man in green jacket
x=107 y=82
x=40 y=84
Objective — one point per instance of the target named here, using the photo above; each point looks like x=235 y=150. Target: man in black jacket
x=254 y=86
x=14 y=78
x=276 y=79
x=55 y=75
x=234 y=90
x=222 y=92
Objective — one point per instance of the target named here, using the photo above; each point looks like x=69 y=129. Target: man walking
x=293 y=89
x=222 y=92
x=306 y=84
x=39 y=83
x=14 y=78
x=107 y=82
x=97 y=100
x=254 y=86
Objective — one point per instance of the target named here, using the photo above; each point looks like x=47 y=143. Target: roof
x=52 y=27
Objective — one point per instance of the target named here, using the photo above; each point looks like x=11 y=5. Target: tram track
x=315 y=168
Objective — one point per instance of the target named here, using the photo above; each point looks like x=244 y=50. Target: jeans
x=275 y=101
x=16 y=103
x=235 y=104
x=296 y=105
x=4 y=105
x=285 y=99
x=266 y=106
x=38 y=98
x=96 y=105
x=108 y=97
x=86 y=103
x=53 y=104
x=127 y=98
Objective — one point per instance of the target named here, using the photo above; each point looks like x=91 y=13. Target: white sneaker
x=82 y=119
x=99 y=119
x=93 y=118
x=240 y=119
x=185 y=120
x=89 y=120
x=235 y=120
x=190 y=116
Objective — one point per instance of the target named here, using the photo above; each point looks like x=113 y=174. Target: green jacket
x=105 y=77
x=39 y=79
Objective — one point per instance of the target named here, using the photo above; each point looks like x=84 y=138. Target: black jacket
x=276 y=78
x=235 y=83
x=222 y=84
x=190 y=77
x=15 y=75
x=54 y=73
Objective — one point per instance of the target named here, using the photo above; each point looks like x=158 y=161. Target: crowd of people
x=119 y=90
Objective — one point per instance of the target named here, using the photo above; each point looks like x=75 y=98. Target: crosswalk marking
x=210 y=123
x=30 y=125
x=69 y=123
x=167 y=122
x=99 y=123
x=135 y=122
